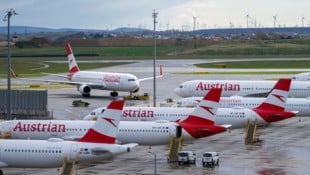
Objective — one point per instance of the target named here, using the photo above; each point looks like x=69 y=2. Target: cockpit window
x=93 y=113
x=181 y=86
x=131 y=79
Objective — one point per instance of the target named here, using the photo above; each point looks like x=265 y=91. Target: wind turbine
x=274 y=21
x=302 y=21
x=247 y=20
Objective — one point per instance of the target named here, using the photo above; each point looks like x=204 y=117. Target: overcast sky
x=177 y=14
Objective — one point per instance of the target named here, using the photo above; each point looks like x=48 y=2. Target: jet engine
x=136 y=90
x=84 y=90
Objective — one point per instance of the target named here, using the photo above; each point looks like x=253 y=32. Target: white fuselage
x=258 y=88
x=51 y=153
x=143 y=133
x=107 y=80
x=302 y=105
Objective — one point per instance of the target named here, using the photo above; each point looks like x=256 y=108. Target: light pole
x=10 y=13
x=154 y=154
x=154 y=60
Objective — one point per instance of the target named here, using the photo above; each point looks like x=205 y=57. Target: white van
x=186 y=157
x=211 y=158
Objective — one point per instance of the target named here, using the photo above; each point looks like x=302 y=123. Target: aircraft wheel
x=85 y=95
x=1 y=172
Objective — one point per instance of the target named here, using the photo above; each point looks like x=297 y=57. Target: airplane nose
x=177 y=91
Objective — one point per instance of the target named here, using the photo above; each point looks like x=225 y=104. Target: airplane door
x=4 y=131
x=178 y=132
x=73 y=151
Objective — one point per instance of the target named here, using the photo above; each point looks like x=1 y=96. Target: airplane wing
x=71 y=137
x=57 y=75
x=263 y=94
x=158 y=76
x=227 y=126
x=59 y=81
x=3 y=165
x=149 y=78
x=120 y=148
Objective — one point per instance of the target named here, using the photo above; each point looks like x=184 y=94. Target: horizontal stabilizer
x=131 y=145
x=227 y=126
x=295 y=112
x=2 y=165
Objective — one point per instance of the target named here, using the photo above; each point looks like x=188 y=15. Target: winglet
x=105 y=128
x=12 y=73
x=73 y=67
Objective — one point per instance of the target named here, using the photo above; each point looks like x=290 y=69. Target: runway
x=285 y=146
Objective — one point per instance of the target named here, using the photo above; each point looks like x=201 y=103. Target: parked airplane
x=305 y=76
x=98 y=142
x=271 y=110
x=252 y=88
x=195 y=125
x=302 y=105
x=87 y=80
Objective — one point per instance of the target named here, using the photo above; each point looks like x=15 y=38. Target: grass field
x=284 y=64
x=32 y=66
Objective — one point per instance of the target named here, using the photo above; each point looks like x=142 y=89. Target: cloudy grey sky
x=177 y=14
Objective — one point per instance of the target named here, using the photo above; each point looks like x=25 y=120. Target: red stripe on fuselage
x=273 y=116
x=200 y=131
x=194 y=120
x=199 y=127
x=93 y=136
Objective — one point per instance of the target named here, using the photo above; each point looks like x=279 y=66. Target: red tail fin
x=273 y=108
x=200 y=122
x=106 y=127
x=73 y=67
x=276 y=99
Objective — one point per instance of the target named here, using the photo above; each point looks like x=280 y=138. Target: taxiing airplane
x=302 y=105
x=251 y=88
x=98 y=142
x=195 y=125
x=271 y=110
x=87 y=80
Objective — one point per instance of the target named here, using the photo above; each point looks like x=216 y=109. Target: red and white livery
x=237 y=115
x=249 y=88
x=196 y=125
x=96 y=143
x=88 y=80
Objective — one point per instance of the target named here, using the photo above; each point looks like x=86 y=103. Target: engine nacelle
x=136 y=90
x=84 y=90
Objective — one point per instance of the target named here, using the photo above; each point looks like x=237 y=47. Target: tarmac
x=284 y=149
